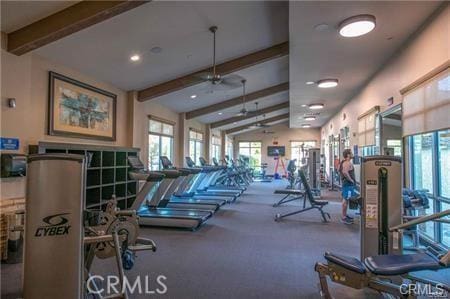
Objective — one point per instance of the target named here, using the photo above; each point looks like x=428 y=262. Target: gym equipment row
x=184 y=197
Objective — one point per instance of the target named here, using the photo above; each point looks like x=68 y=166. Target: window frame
x=160 y=135
x=434 y=194
x=197 y=142
x=250 y=147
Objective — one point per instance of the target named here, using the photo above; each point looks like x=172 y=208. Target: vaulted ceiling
x=173 y=41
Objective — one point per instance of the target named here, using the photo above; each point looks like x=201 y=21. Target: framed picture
x=80 y=110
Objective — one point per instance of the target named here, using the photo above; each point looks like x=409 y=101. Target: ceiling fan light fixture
x=327 y=83
x=316 y=106
x=357 y=25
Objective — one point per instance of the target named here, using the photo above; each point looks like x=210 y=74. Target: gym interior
x=225 y=149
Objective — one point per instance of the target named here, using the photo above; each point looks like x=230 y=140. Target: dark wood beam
x=65 y=22
x=223 y=69
x=252 y=114
x=238 y=100
x=265 y=122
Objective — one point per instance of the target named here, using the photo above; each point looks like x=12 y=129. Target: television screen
x=273 y=151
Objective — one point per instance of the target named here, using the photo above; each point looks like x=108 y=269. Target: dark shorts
x=348 y=192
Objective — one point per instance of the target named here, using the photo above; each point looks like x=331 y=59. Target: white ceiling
x=258 y=77
x=232 y=111
x=17 y=14
x=253 y=119
x=180 y=29
x=317 y=55
x=268 y=129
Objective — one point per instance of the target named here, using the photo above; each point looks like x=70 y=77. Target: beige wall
x=428 y=49
x=283 y=135
x=25 y=78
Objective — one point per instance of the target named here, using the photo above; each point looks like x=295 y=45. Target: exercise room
x=225 y=149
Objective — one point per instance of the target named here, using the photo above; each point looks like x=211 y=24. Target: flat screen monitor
x=274 y=151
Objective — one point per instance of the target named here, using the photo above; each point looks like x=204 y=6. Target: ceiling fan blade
x=233 y=81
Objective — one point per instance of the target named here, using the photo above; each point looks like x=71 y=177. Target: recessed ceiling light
x=135 y=57
x=310 y=83
x=220 y=113
x=327 y=83
x=306 y=125
x=156 y=50
x=316 y=106
x=357 y=25
x=234 y=123
x=309 y=117
x=304 y=105
x=193 y=96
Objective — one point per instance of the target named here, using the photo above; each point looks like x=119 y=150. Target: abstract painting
x=80 y=110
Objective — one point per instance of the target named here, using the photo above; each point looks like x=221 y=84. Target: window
x=423 y=162
x=216 y=147
x=160 y=142
x=427 y=150
x=230 y=148
x=444 y=163
x=252 y=150
x=396 y=144
x=299 y=148
x=367 y=151
x=195 y=145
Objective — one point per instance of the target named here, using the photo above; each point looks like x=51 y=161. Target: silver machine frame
x=62 y=238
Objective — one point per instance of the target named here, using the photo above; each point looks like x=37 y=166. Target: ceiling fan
x=259 y=124
x=219 y=82
x=243 y=111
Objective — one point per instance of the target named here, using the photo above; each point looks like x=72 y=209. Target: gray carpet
x=240 y=253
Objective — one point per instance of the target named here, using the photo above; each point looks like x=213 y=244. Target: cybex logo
x=56 y=225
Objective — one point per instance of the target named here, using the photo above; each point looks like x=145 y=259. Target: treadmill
x=148 y=198
x=179 y=197
x=202 y=182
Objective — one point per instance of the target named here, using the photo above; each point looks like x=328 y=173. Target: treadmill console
x=166 y=163
x=135 y=163
x=189 y=162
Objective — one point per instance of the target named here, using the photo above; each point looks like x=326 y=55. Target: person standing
x=347 y=172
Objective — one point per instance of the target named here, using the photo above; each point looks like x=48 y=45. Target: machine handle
x=98 y=239
x=420 y=220
x=143 y=244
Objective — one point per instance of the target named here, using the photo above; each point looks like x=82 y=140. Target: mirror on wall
x=390 y=133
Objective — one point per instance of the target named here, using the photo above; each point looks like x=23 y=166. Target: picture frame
x=80 y=110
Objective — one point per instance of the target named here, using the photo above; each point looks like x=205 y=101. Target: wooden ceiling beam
x=223 y=69
x=249 y=115
x=238 y=100
x=265 y=122
x=65 y=22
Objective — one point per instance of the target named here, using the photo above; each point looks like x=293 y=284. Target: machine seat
x=401 y=264
x=320 y=202
x=347 y=262
x=289 y=191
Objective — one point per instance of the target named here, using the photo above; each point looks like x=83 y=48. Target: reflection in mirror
x=391 y=132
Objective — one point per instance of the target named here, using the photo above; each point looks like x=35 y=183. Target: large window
x=430 y=170
x=230 y=149
x=160 y=142
x=195 y=145
x=299 y=149
x=395 y=144
x=444 y=179
x=252 y=150
x=216 y=147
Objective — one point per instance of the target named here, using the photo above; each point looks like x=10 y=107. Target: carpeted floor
x=240 y=253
